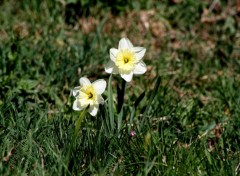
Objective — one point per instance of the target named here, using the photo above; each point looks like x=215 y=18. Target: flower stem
x=121 y=93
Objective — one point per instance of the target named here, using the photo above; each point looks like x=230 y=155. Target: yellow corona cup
x=89 y=94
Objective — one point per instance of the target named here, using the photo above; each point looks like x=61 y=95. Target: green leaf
x=139 y=99
x=208 y=155
x=120 y=117
x=132 y=109
x=110 y=103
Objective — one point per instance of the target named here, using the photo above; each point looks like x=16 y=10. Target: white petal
x=125 y=43
x=139 y=51
x=76 y=91
x=99 y=86
x=82 y=106
x=113 y=54
x=84 y=81
x=100 y=99
x=111 y=68
x=140 y=68
x=75 y=106
x=93 y=110
x=127 y=77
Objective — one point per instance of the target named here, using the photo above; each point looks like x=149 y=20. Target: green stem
x=121 y=95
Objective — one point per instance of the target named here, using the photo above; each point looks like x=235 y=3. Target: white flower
x=126 y=60
x=89 y=94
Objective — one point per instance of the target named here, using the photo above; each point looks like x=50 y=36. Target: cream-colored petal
x=111 y=68
x=100 y=99
x=99 y=86
x=139 y=52
x=75 y=106
x=84 y=81
x=76 y=91
x=127 y=77
x=140 y=68
x=125 y=43
x=113 y=54
x=93 y=110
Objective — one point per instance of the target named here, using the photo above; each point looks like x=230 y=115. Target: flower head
x=126 y=60
x=89 y=94
x=133 y=133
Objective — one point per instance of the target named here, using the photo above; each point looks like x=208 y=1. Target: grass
x=184 y=110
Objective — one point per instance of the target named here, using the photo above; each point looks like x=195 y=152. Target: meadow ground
x=184 y=110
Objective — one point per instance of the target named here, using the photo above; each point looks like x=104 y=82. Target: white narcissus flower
x=89 y=94
x=126 y=60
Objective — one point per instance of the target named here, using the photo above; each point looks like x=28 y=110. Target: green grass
x=185 y=109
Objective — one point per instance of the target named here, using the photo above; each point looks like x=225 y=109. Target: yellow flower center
x=125 y=61
x=87 y=96
x=90 y=95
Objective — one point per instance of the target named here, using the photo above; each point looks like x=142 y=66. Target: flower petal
x=139 y=52
x=75 y=106
x=100 y=99
x=93 y=110
x=76 y=91
x=140 y=68
x=111 y=68
x=84 y=81
x=125 y=43
x=113 y=54
x=127 y=77
x=99 y=85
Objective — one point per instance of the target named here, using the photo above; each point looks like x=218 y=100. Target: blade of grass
x=77 y=128
x=121 y=93
x=133 y=110
x=120 y=116
x=152 y=96
x=105 y=120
